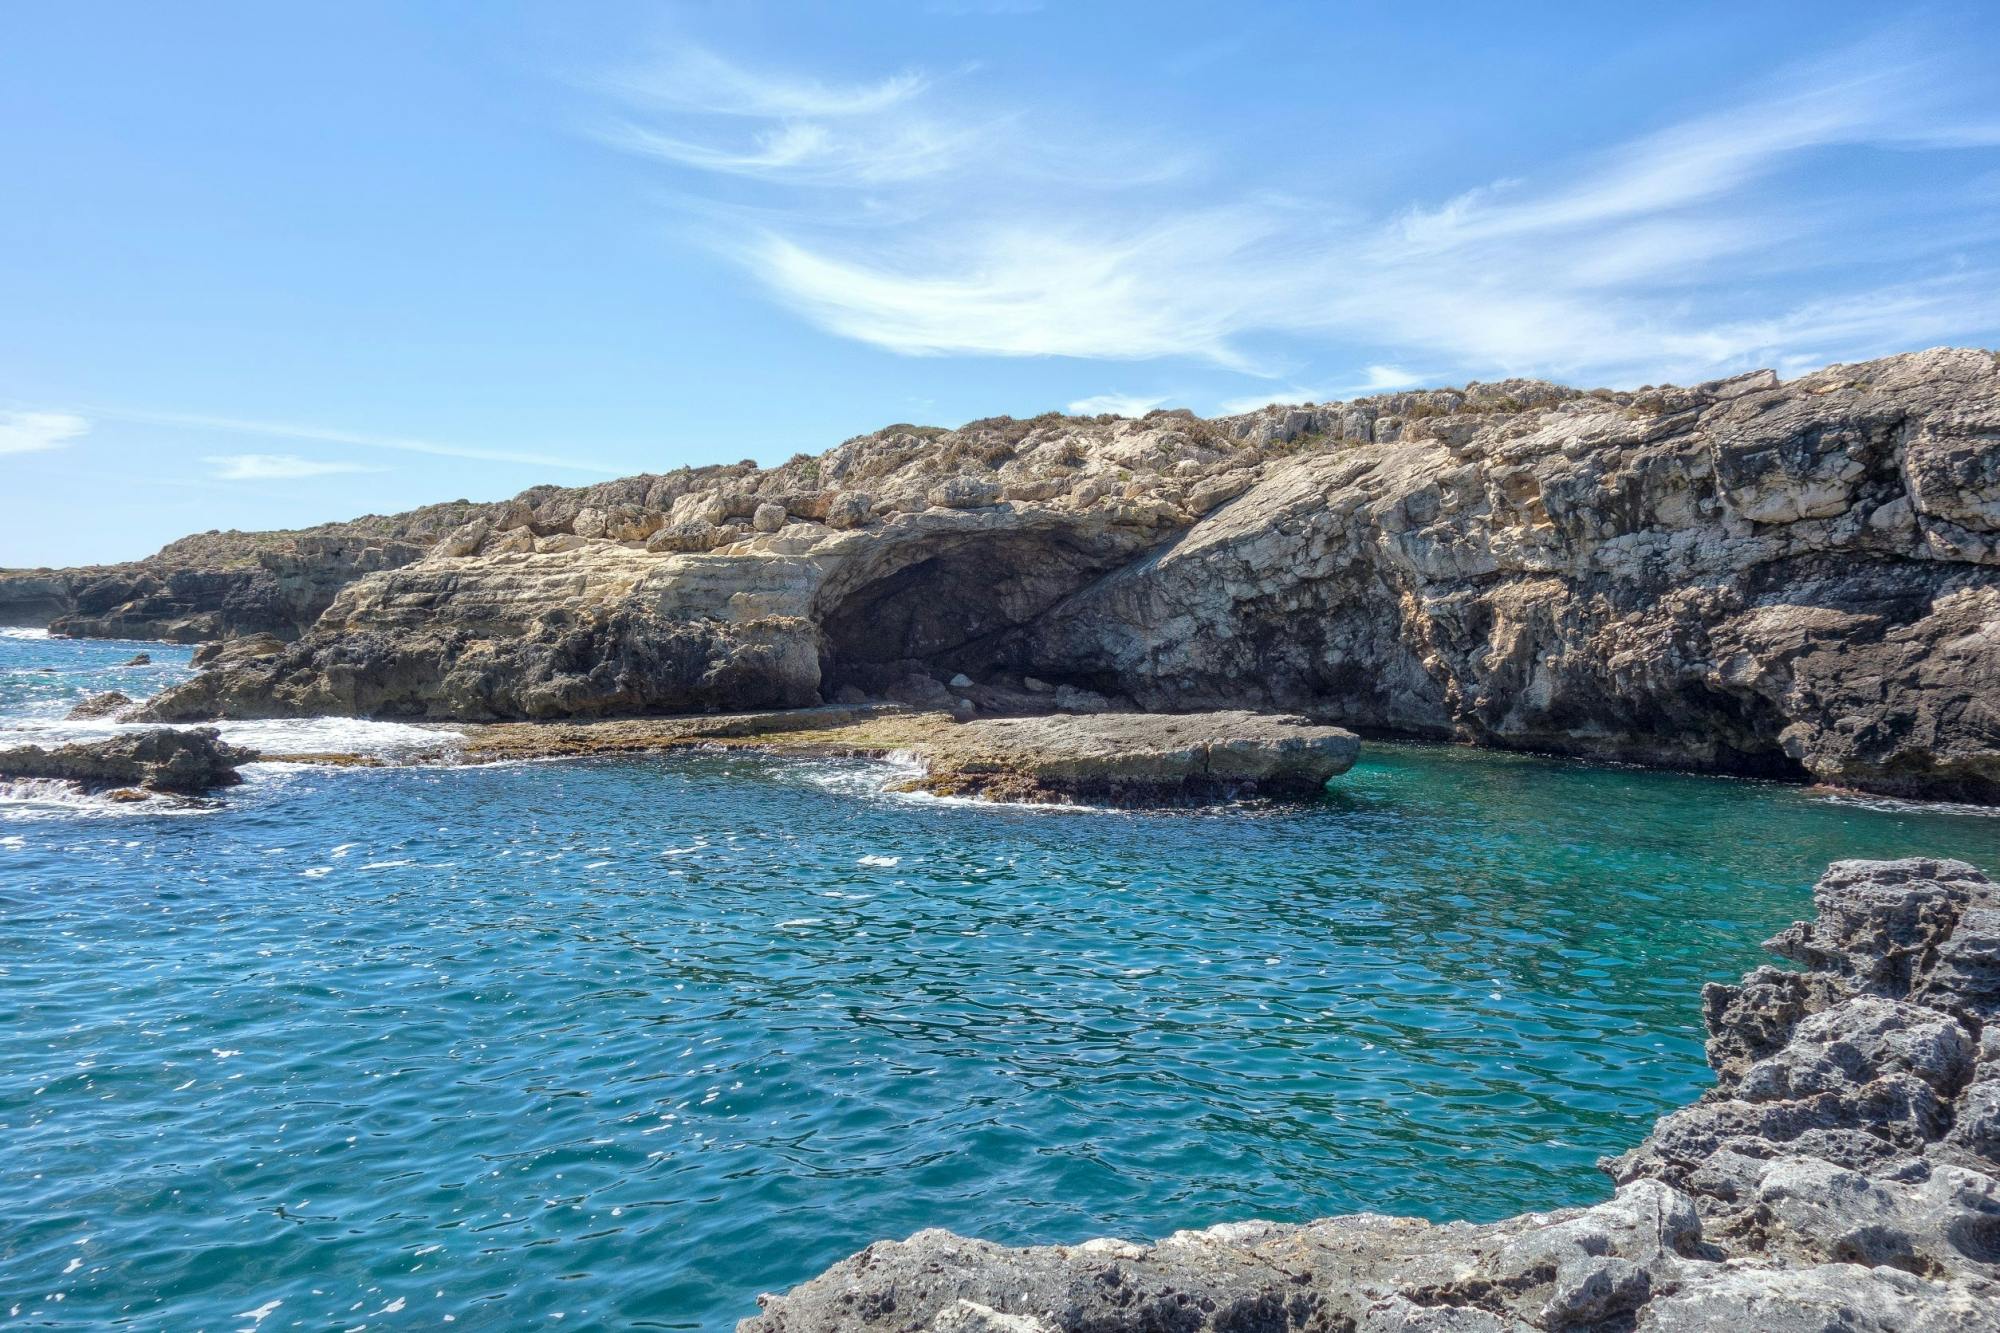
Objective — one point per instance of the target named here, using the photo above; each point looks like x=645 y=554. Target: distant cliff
x=217 y=585
x=1795 y=580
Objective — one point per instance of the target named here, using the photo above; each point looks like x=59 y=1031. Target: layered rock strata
x=1798 y=580
x=1843 y=1174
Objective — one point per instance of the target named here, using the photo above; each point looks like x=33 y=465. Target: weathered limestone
x=184 y=762
x=1844 y=1173
x=1798 y=580
x=1137 y=758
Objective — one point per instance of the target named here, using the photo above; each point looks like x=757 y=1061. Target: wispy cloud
x=1118 y=404
x=277 y=467
x=286 y=430
x=32 y=432
x=1727 y=239
x=694 y=109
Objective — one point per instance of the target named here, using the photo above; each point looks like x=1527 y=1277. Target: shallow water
x=627 y=1042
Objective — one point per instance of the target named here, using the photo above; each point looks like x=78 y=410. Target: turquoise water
x=627 y=1042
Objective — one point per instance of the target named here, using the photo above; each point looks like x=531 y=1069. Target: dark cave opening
x=959 y=606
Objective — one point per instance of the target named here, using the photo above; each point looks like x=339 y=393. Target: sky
x=266 y=265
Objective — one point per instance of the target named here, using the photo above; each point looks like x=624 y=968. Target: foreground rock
x=1137 y=758
x=183 y=762
x=1796 y=580
x=1844 y=1174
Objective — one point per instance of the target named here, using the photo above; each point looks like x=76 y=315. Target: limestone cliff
x=1793 y=579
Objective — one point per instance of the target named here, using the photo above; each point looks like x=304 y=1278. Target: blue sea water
x=621 y=1043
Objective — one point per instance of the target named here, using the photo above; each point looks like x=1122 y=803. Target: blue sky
x=265 y=265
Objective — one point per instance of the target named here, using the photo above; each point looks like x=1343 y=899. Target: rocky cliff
x=1843 y=1173
x=219 y=585
x=1793 y=579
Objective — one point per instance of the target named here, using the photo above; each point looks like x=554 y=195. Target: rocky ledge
x=1136 y=758
x=1790 y=579
x=1109 y=758
x=181 y=762
x=1843 y=1174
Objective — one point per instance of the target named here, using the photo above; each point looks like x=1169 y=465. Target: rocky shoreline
x=1795 y=580
x=1129 y=759
x=1843 y=1174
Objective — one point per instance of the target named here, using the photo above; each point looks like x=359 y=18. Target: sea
x=621 y=1043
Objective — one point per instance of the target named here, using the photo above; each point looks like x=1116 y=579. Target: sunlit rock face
x=1797 y=580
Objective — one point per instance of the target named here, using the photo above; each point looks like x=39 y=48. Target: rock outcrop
x=1137 y=758
x=1797 y=580
x=220 y=585
x=108 y=704
x=180 y=761
x=1844 y=1173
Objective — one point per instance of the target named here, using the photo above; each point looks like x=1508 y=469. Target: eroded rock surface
x=1797 y=580
x=183 y=761
x=1138 y=758
x=1843 y=1174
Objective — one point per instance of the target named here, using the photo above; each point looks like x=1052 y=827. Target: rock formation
x=108 y=704
x=1798 y=580
x=181 y=761
x=218 y=585
x=1137 y=758
x=1844 y=1173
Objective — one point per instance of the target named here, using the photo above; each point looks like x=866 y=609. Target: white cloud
x=276 y=467
x=285 y=430
x=31 y=432
x=694 y=79
x=1118 y=404
x=808 y=132
x=1706 y=246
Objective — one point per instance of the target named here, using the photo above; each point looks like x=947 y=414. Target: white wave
x=274 y=737
x=1896 y=805
x=31 y=798
x=878 y=861
x=340 y=735
x=22 y=632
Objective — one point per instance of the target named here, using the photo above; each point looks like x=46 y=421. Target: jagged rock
x=184 y=762
x=768 y=517
x=1758 y=1230
x=964 y=493
x=226 y=652
x=467 y=538
x=1791 y=580
x=106 y=704
x=138 y=659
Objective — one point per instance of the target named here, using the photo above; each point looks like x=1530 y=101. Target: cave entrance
x=938 y=606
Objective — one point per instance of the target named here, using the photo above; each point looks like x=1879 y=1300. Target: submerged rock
x=1137 y=758
x=1844 y=1174
x=185 y=762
